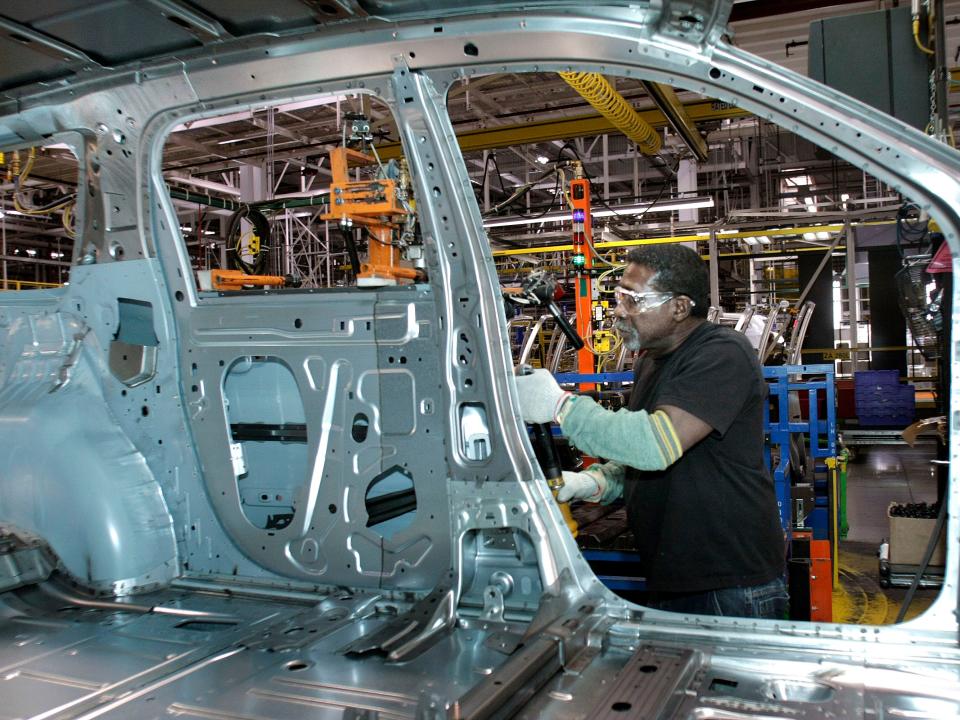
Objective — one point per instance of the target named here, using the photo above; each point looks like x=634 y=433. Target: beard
x=629 y=335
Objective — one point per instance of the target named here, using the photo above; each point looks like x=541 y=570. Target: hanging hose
x=351 y=244
x=602 y=277
x=19 y=182
x=595 y=89
x=261 y=228
x=526 y=187
x=588 y=237
x=916 y=36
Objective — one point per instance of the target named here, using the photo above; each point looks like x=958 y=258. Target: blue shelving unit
x=610 y=566
x=821 y=433
x=614 y=377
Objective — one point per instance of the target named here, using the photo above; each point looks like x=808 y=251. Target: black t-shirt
x=710 y=520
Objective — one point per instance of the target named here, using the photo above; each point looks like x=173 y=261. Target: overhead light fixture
x=763 y=239
x=543 y=159
x=680 y=204
x=809 y=236
x=823 y=236
x=239 y=139
x=750 y=240
x=690 y=203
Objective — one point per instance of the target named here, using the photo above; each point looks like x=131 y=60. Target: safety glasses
x=641 y=302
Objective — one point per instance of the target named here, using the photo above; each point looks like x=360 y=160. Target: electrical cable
x=560 y=181
x=20 y=180
x=261 y=228
x=603 y=202
x=351 y=244
x=908 y=232
x=43 y=209
x=588 y=238
x=486 y=167
x=68 y=220
x=373 y=238
x=588 y=344
x=916 y=36
x=603 y=276
x=524 y=189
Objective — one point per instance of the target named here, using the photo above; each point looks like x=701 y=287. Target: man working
x=687 y=454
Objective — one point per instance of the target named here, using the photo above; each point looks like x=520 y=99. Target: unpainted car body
x=137 y=585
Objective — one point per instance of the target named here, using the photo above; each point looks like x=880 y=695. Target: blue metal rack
x=615 y=377
x=822 y=434
x=605 y=561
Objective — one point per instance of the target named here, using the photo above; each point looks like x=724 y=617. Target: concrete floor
x=879 y=475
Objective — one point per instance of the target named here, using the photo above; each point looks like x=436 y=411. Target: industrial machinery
x=323 y=503
x=381 y=207
x=218 y=279
x=592 y=312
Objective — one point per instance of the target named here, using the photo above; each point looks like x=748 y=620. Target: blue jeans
x=769 y=600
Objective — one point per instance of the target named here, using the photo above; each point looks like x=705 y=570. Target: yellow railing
x=25 y=285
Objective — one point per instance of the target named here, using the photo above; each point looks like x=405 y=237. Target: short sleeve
x=714 y=383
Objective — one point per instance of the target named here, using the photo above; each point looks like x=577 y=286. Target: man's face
x=640 y=328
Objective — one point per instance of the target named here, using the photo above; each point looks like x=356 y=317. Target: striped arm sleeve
x=636 y=439
x=666 y=436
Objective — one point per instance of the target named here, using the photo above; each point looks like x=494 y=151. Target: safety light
x=578 y=216
x=578 y=260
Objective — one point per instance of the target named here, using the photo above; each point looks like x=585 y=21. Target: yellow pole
x=834 y=509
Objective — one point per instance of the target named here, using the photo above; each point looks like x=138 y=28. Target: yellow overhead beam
x=565 y=128
x=721 y=235
x=599 y=246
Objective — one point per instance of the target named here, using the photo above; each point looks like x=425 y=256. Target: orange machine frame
x=373 y=204
x=239 y=280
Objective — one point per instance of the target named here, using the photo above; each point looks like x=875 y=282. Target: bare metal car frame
x=135 y=585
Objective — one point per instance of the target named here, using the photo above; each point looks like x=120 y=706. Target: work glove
x=540 y=397
x=582 y=486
